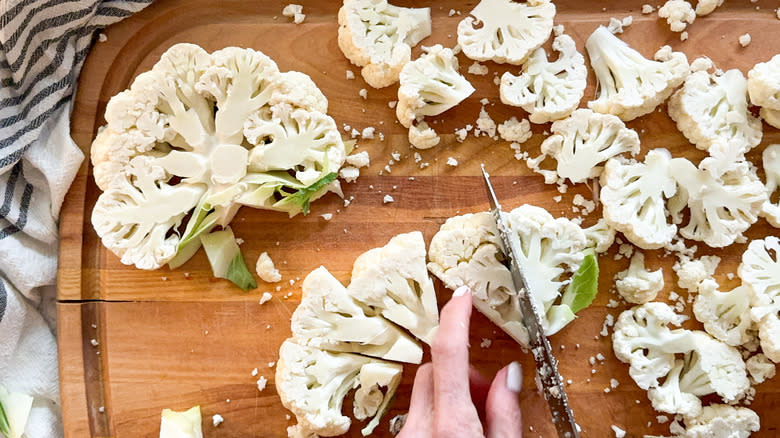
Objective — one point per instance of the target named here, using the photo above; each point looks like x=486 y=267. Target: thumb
x=502 y=408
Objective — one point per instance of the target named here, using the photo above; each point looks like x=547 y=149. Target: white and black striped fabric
x=43 y=45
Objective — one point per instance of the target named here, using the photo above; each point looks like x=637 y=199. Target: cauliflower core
x=204 y=134
x=505 y=31
x=379 y=37
x=547 y=90
x=629 y=85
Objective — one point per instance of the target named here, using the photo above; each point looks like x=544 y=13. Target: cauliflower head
x=505 y=31
x=630 y=85
x=771 y=162
x=394 y=281
x=760 y=271
x=313 y=384
x=198 y=136
x=586 y=139
x=379 y=37
x=711 y=109
x=548 y=91
x=467 y=251
x=763 y=84
x=718 y=421
x=330 y=319
x=632 y=197
x=725 y=315
x=721 y=208
x=636 y=284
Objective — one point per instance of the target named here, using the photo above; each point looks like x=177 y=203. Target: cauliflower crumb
x=628 y=20
x=701 y=63
x=452 y=162
x=619 y=433
x=349 y=173
x=350 y=75
x=691 y=272
x=478 y=69
x=451 y=13
x=265 y=269
x=647 y=9
x=295 y=12
x=254 y=372
x=486 y=343
x=684 y=35
x=662 y=419
x=615 y=26
x=368 y=133
x=744 y=40
x=587 y=205
x=217 y=419
x=94 y=342
x=102 y=37
x=392 y=103
x=327 y=216
x=264 y=299
x=363 y=93
x=514 y=130
x=678 y=13
x=485 y=124
x=613 y=383
x=460 y=134
x=261 y=382
x=387 y=199
x=361 y=159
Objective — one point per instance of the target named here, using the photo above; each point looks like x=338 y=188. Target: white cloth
x=43 y=45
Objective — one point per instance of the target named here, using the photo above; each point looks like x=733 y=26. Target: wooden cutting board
x=174 y=339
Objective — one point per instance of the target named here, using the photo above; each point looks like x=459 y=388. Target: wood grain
x=173 y=339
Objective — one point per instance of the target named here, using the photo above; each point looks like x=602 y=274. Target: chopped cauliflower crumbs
x=266 y=297
x=261 y=382
x=485 y=124
x=619 y=433
x=478 y=69
x=587 y=205
x=514 y=130
x=613 y=383
x=745 y=39
x=327 y=216
x=367 y=133
x=684 y=35
x=361 y=159
x=349 y=173
x=363 y=93
x=102 y=37
x=452 y=162
x=486 y=343
x=647 y=9
x=615 y=26
x=387 y=199
x=265 y=269
x=295 y=12
x=350 y=75
x=451 y=13
x=392 y=103
x=254 y=372
x=217 y=419
x=461 y=134
x=662 y=419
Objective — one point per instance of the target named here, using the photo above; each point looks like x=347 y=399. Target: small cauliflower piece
x=313 y=384
x=600 y=236
x=771 y=162
x=515 y=131
x=328 y=318
x=763 y=84
x=423 y=136
x=638 y=285
x=760 y=270
x=505 y=31
x=265 y=269
x=629 y=85
x=394 y=281
x=369 y=399
x=379 y=37
x=185 y=424
x=713 y=109
x=718 y=421
x=692 y=272
x=586 y=139
x=744 y=39
x=725 y=315
x=678 y=13
x=295 y=12
x=360 y=159
x=430 y=85
x=547 y=90
x=632 y=196
x=722 y=208
x=706 y=7
x=760 y=368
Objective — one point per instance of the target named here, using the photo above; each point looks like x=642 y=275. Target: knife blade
x=546 y=365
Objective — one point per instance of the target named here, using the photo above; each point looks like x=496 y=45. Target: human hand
x=450 y=398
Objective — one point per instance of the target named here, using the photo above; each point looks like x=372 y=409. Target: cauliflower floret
x=468 y=251
x=600 y=236
x=691 y=272
x=760 y=270
x=586 y=139
x=771 y=162
x=547 y=90
x=629 y=85
x=423 y=136
x=760 y=368
x=313 y=384
x=678 y=13
x=721 y=209
x=725 y=315
x=507 y=32
x=706 y=7
x=369 y=399
x=638 y=285
x=394 y=280
x=515 y=131
x=713 y=109
x=632 y=196
x=429 y=86
x=379 y=37
x=328 y=318
x=763 y=84
x=718 y=421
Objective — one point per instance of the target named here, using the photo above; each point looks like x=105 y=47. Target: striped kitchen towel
x=43 y=44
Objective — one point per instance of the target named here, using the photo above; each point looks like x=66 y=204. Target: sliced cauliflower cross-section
x=760 y=270
x=586 y=139
x=379 y=37
x=638 y=285
x=771 y=162
x=547 y=90
x=718 y=420
x=630 y=85
x=713 y=109
x=505 y=31
x=725 y=315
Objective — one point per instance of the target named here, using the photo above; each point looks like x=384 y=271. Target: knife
x=546 y=365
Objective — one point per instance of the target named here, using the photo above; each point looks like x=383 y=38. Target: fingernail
x=514 y=377
x=459 y=292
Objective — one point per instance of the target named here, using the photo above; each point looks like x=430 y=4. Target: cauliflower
x=313 y=384
x=505 y=31
x=763 y=84
x=515 y=131
x=197 y=137
x=547 y=90
x=586 y=139
x=720 y=208
x=423 y=136
x=15 y=409
x=760 y=368
x=600 y=236
x=265 y=269
x=379 y=37
x=706 y=7
x=713 y=109
x=725 y=315
x=638 y=285
x=678 y=13
x=770 y=116
x=632 y=196
x=328 y=318
x=692 y=272
x=760 y=270
x=468 y=251
x=718 y=421
x=771 y=162
x=185 y=424
x=394 y=281
x=630 y=85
